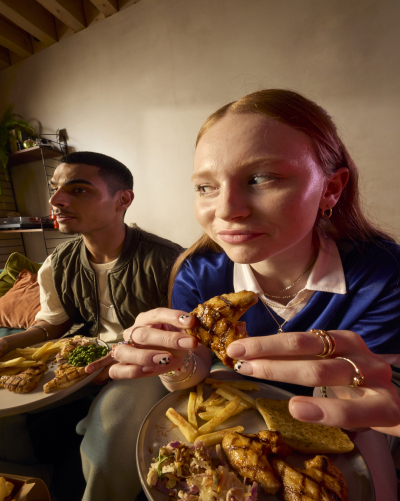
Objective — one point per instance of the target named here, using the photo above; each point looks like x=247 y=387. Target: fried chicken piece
x=25 y=381
x=321 y=480
x=247 y=455
x=66 y=376
x=218 y=324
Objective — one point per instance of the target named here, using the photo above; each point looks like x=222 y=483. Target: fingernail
x=187 y=343
x=305 y=411
x=88 y=370
x=185 y=319
x=161 y=359
x=243 y=367
x=148 y=369
x=236 y=350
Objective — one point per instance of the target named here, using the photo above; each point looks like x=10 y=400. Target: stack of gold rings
x=328 y=350
x=328 y=342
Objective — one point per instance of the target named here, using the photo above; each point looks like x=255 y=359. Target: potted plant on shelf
x=10 y=122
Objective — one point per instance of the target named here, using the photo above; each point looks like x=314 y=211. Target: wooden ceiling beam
x=4 y=58
x=15 y=39
x=69 y=12
x=106 y=7
x=31 y=17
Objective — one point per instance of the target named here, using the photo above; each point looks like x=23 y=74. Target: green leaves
x=8 y=122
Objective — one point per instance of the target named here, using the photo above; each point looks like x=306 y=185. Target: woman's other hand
x=292 y=357
x=158 y=344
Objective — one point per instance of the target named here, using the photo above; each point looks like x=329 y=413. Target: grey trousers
x=110 y=430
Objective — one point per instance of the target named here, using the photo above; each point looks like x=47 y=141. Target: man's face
x=81 y=200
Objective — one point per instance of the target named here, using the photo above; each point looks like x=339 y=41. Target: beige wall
x=139 y=84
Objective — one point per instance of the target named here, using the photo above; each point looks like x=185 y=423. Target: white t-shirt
x=53 y=312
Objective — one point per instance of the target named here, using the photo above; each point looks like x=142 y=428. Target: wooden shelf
x=31 y=155
x=33 y=230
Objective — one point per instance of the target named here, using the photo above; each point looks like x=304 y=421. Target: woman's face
x=259 y=187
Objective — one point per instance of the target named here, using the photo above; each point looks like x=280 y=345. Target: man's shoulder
x=66 y=249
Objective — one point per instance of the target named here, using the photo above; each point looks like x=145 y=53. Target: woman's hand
x=291 y=357
x=159 y=344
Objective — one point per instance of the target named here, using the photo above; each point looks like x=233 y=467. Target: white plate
x=157 y=430
x=17 y=403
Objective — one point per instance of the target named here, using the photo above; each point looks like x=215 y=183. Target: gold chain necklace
x=289 y=286
x=280 y=329
x=287 y=307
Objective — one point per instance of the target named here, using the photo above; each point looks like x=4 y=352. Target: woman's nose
x=231 y=204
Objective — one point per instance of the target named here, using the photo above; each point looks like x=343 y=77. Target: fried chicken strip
x=247 y=454
x=66 y=376
x=218 y=324
x=25 y=381
x=320 y=481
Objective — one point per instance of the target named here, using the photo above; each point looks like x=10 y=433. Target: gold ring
x=358 y=379
x=328 y=342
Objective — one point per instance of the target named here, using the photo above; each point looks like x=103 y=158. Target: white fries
x=222 y=416
x=192 y=410
x=40 y=351
x=20 y=359
x=12 y=363
x=217 y=436
x=186 y=428
x=210 y=414
x=235 y=391
x=199 y=397
x=226 y=401
x=229 y=395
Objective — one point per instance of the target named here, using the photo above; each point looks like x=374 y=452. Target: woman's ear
x=333 y=188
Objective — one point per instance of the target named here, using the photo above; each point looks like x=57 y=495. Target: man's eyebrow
x=73 y=181
x=249 y=162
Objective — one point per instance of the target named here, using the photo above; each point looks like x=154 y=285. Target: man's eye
x=80 y=190
x=203 y=188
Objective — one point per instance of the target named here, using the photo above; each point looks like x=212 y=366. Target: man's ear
x=334 y=187
x=124 y=200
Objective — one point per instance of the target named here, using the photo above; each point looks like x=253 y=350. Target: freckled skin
x=262 y=177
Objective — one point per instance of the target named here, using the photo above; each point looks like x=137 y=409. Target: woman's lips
x=237 y=237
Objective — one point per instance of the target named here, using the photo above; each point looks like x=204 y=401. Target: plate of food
x=39 y=375
x=236 y=441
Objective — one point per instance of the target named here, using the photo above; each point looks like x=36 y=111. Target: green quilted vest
x=138 y=282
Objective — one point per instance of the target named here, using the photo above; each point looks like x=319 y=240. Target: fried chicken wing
x=321 y=481
x=218 y=324
x=247 y=455
x=25 y=381
x=66 y=376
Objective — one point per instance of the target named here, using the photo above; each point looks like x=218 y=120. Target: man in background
x=102 y=279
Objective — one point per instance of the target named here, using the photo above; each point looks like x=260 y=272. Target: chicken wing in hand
x=217 y=322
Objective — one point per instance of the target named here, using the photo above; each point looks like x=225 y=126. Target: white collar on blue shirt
x=326 y=276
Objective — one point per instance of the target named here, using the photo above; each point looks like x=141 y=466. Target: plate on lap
x=17 y=403
x=157 y=431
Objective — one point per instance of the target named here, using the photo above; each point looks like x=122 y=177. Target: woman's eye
x=261 y=178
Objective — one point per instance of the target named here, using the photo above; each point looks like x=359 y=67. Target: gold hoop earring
x=324 y=215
